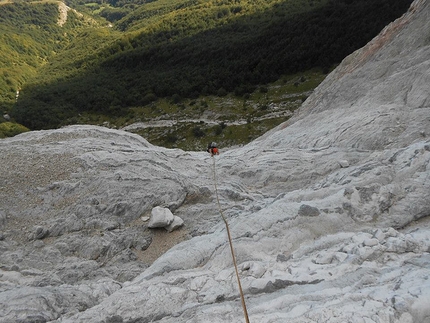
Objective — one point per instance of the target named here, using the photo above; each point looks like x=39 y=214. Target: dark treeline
x=235 y=57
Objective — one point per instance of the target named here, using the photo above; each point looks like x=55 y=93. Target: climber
x=212 y=149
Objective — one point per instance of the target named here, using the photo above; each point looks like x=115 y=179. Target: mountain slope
x=329 y=212
x=23 y=46
x=188 y=48
x=32 y=33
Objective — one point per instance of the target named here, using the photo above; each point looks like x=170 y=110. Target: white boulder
x=160 y=217
x=176 y=224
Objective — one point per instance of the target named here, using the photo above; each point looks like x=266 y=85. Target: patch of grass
x=195 y=136
x=10 y=129
x=229 y=120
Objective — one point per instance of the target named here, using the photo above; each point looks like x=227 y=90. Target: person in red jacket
x=212 y=149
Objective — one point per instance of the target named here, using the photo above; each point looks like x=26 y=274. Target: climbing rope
x=242 y=297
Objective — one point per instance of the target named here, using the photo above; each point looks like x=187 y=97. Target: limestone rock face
x=329 y=212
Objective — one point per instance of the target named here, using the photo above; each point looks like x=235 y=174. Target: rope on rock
x=242 y=297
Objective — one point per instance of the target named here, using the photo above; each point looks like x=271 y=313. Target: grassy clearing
x=10 y=129
x=229 y=120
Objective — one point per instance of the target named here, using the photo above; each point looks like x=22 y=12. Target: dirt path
x=169 y=123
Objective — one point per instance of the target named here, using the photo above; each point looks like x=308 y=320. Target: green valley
x=225 y=70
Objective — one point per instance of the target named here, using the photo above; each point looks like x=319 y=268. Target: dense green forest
x=29 y=38
x=183 y=49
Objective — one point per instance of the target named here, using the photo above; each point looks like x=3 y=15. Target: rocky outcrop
x=329 y=212
x=62 y=9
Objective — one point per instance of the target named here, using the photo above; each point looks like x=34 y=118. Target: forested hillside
x=27 y=38
x=191 y=48
x=30 y=36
